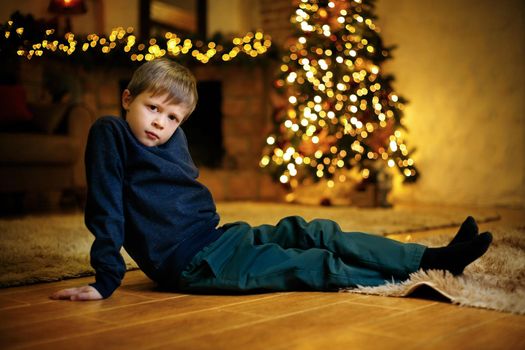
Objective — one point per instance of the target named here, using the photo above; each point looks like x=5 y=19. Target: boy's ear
x=126 y=99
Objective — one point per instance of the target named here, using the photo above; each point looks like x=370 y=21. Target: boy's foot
x=455 y=258
x=467 y=232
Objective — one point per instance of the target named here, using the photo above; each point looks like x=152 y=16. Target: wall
x=275 y=19
x=460 y=65
x=120 y=13
x=101 y=17
x=233 y=16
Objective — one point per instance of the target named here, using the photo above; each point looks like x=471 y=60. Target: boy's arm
x=104 y=206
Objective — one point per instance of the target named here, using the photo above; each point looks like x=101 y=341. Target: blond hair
x=164 y=76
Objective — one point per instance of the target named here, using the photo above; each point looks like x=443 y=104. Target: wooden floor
x=139 y=317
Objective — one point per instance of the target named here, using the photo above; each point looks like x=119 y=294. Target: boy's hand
x=77 y=294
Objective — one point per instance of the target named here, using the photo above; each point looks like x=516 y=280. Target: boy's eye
x=172 y=117
x=153 y=107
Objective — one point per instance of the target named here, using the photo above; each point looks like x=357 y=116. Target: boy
x=143 y=195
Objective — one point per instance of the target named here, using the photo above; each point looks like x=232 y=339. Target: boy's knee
x=293 y=221
x=324 y=225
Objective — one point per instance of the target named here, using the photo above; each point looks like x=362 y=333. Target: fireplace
x=204 y=128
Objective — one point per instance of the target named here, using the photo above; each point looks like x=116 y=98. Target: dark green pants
x=298 y=255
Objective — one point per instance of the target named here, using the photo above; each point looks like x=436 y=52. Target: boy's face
x=152 y=119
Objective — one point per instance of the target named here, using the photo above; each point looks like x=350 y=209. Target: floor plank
x=36 y=332
x=294 y=329
x=431 y=322
x=51 y=310
x=501 y=333
x=151 y=333
x=9 y=303
x=336 y=338
x=407 y=303
x=183 y=306
x=290 y=303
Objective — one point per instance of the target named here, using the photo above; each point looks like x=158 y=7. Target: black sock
x=455 y=258
x=467 y=231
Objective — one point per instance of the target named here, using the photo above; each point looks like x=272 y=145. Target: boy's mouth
x=152 y=135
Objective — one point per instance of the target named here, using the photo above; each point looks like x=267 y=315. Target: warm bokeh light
x=340 y=111
x=250 y=45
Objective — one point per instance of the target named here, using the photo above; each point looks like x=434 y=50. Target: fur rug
x=495 y=281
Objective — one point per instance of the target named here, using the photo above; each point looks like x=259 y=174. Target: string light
x=252 y=44
x=341 y=111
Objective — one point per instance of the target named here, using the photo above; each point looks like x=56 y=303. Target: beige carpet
x=377 y=221
x=53 y=247
x=495 y=281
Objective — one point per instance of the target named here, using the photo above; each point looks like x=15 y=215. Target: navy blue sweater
x=146 y=199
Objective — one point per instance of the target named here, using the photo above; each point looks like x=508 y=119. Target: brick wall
x=246 y=118
x=98 y=88
x=275 y=18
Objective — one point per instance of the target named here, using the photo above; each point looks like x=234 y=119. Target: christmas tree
x=338 y=111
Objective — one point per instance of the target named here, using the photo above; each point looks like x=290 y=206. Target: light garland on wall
x=251 y=45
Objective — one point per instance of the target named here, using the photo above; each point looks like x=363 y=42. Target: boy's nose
x=158 y=124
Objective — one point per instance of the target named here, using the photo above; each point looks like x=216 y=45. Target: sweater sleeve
x=104 y=208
